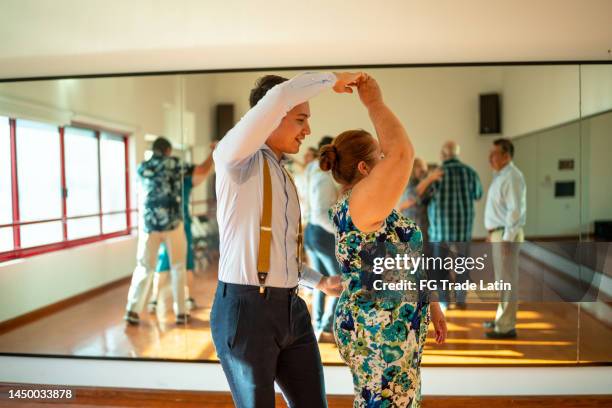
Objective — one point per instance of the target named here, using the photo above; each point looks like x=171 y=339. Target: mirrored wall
x=73 y=148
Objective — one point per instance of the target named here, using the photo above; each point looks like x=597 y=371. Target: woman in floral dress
x=380 y=338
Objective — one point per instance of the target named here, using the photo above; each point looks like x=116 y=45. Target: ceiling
x=75 y=37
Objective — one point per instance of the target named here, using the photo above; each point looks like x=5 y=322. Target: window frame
x=18 y=252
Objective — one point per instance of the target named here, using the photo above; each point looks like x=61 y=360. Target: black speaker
x=224 y=120
x=490 y=116
x=603 y=230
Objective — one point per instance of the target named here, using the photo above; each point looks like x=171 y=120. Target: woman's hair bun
x=328 y=156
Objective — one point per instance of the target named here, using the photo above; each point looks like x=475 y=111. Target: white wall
x=537 y=155
x=441 y=381
x=596 y=88
x=589 y=144
x=198 y=93
x=538 y=97
x=597 y=135
x=64 y=37
x=31 y=283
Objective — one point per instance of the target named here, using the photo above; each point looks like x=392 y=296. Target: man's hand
x=345 y=80
x=330 y=285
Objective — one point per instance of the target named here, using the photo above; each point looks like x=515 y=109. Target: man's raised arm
x=252 y=131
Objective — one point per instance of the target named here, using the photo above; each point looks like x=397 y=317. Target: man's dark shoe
x=510 y=334
x=182 y=318
x=489 y=324
x=132 y=318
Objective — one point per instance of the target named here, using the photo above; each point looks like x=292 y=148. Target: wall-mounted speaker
x=224 y=119
x=490 y=116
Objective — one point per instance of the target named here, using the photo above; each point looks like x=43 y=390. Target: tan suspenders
x=265 y=228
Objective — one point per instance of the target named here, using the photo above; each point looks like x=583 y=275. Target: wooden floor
x=549 y=333
x=86 y=397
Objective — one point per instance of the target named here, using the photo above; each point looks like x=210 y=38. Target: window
x=38 y=175
x=6 y=203
x=82 y=182
x=112 y=167
x=70 y=185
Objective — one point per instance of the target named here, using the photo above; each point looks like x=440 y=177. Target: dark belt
x=496 y=229
x=269 y=292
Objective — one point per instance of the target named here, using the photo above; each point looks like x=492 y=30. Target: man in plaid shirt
x=451 y=213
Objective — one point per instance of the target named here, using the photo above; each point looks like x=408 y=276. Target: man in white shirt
x=505 y=215
x=319 y=239
x=260 y=327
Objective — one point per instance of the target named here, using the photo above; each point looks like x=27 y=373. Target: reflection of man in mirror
x=163 y=259
x=451 y=216
x=161 y=180
x=261 y=328
x=505 y=215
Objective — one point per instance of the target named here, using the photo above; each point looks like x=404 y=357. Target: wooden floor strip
x=123 y=397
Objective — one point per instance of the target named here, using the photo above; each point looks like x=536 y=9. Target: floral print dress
x=381 y=340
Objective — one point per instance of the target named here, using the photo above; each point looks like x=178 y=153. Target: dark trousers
x=262 y=339
x=320 y=247
x=450 y=250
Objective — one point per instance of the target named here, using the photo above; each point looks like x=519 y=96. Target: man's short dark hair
x=262 y=86
x=325 y=140
x=161 y=144
x=505 y=145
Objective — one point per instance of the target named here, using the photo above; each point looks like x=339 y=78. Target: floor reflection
x=548 y=333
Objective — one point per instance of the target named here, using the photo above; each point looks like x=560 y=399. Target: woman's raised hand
x=345 y=80
x=369 y=91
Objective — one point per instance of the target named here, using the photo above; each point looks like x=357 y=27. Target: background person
x=161 y=181
x=163 y=260
x=319 y=241
x=505 y=216
x=451 y=216
x=415 y=198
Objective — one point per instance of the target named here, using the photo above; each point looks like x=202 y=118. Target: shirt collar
x=451 y=160
x=506 y=168
x=284 y=158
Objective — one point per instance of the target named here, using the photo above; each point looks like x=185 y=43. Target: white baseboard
x=455 y=381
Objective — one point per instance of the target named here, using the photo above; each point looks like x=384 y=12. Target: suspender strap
x=300 y=237
x=265 y=228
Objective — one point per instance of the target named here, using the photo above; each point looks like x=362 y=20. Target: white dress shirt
x=239 y=165
x=321 y=194
x=506 y=202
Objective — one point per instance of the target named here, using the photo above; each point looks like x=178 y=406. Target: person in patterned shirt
x=161 y=180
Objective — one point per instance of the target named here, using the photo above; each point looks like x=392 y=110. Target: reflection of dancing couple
x=260 y=326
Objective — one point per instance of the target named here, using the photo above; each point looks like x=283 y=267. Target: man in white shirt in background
x=261 y=328
x=320 y=242
x=505 y=215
